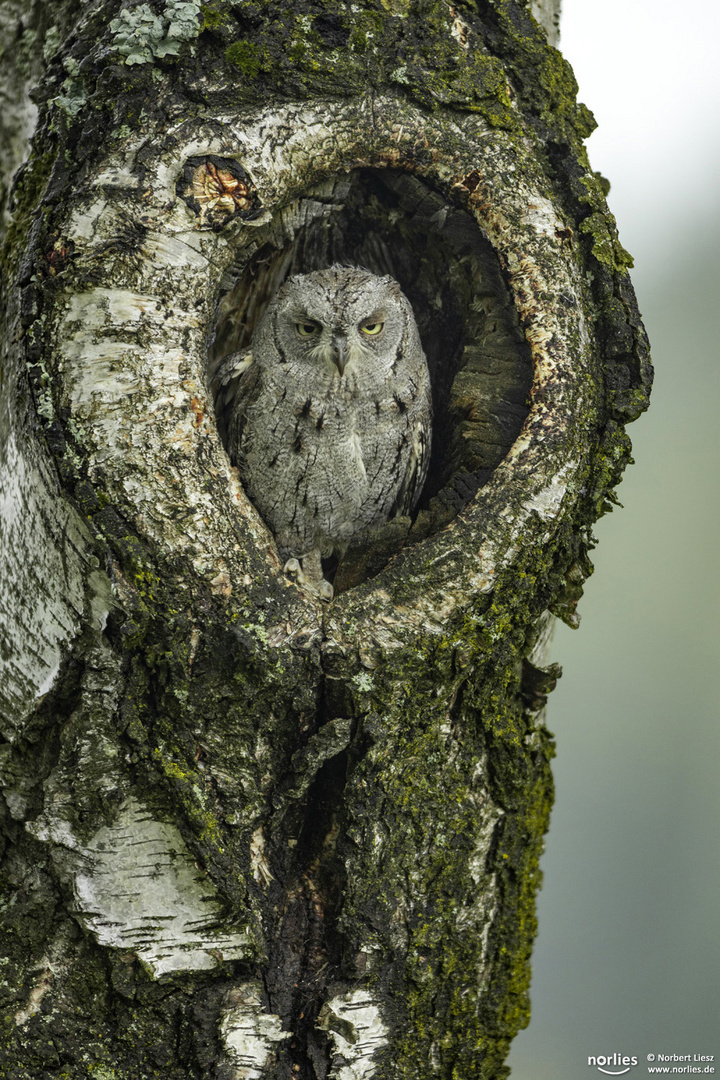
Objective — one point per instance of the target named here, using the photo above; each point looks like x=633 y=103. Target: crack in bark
x=306 y=956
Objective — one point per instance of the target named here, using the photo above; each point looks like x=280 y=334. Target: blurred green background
x=627 y=958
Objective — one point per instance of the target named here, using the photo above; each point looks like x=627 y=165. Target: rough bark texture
x=245 y=834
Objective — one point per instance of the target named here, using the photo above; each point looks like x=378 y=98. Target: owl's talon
x=325 y=590
x=322 y=588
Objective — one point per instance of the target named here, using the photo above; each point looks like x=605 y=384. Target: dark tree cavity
x=390 y=222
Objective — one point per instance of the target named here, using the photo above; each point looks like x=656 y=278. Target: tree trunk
x=247 y=834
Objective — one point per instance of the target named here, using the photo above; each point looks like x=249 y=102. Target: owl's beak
x=340 y=353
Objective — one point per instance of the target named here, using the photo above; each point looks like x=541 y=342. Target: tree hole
x=391 y=222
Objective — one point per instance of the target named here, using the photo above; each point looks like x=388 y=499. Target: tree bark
x=246 y=834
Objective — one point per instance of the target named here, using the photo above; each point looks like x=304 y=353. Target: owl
x=331 y=414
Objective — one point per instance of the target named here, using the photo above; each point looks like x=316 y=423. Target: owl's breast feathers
x=324 y=458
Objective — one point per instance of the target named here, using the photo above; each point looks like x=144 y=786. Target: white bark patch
x=548 y=501
x=249 y=1033
x=116 y=177
x=140 y=889
x=37 y=993
x=42 y=581
x=356 y=1028
x=547 y=13
x=459 y=30
x=540 y=655
x=258 y=859
x=179 y=250
x=140 y=405
x=83 y=223
x=478 y=917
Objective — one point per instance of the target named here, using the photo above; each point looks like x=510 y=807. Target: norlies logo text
x=613 y=1064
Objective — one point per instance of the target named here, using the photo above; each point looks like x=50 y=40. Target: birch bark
x=246 y=834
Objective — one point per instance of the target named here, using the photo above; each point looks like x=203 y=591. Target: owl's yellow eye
x=307 y=329
x=372 y=329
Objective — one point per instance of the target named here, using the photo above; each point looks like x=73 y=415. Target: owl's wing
x=237 y=380
x=416 y=472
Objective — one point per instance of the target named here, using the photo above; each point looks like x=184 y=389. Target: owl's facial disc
x=339 y=340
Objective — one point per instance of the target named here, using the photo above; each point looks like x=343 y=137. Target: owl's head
x=340 y=320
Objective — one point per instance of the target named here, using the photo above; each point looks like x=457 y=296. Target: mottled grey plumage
x=331 y=417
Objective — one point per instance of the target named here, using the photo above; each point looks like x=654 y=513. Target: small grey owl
x=331 y=419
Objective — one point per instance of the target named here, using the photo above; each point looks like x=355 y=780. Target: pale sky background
x=627 y=958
